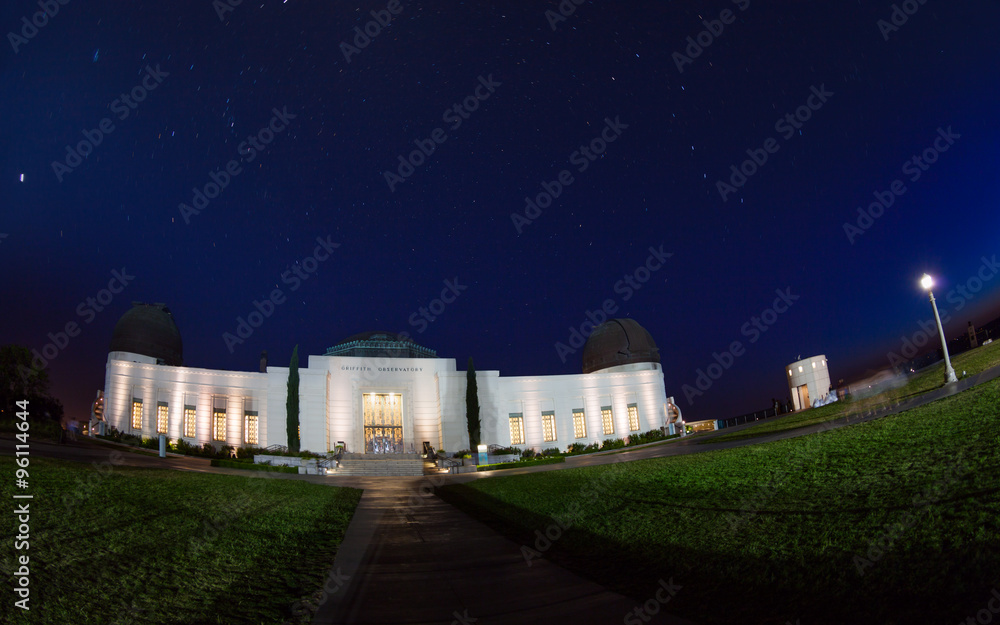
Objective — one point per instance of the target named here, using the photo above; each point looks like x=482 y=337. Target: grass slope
x=787 y=530
x=972 y=362
x=125 y=545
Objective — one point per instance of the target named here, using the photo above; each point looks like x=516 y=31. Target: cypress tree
x=292 y=402
x=472 y=406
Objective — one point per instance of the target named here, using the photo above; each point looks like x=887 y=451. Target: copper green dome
x=380 y=344
x=149 y=330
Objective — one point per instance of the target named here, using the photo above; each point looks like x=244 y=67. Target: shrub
x=552 y=451
x=462 y=454
x=39 y=428
x=249 y=466
x=290 y=454
x=591 y=447
x=517 y=465
x=612 y=443
x=576 y=448
x=503 y=451
x=246 y=452
x=528 y=453
x=646 y=437
x=184 y=447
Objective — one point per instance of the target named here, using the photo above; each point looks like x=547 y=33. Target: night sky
x=309 y=134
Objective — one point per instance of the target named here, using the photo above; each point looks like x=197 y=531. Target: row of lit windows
x=579 y=424
x=251 y=429
x=823 y=362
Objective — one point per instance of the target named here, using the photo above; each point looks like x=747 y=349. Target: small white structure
x=809 y=378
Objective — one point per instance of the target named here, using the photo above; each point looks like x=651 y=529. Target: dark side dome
x=380 y=344
x=618 y=342
x=149 y=330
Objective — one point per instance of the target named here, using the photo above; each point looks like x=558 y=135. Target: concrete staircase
x=380 y=464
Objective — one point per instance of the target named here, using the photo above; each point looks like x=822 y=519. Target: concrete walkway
x=408 y=557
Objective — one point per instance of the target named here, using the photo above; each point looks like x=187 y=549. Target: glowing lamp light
x=949 y=372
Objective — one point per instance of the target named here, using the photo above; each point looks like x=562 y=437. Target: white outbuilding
x=808 y=381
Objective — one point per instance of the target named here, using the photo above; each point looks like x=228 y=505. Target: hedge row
x=517 y=465
x=249 y=466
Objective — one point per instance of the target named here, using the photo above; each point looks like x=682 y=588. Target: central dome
x=618 y=342
x=380 y=344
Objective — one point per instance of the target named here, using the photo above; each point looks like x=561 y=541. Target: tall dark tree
x=19 y=379
x=292 y=402
x=472 y=406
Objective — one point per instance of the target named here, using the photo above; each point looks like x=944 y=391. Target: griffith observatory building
x=380 y=392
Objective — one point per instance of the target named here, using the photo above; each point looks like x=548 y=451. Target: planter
x=502 y=458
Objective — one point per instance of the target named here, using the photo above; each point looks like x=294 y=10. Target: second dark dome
x=149 y=330
x=618 y=342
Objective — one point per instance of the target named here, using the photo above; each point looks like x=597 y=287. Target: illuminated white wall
x=127 y=373
x=617 y=387
x=811 y=372
x=433 y=391
x=348 y=379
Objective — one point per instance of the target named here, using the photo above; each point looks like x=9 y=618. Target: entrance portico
x=383 y=423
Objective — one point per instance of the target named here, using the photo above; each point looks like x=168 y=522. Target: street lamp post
x=949 y=373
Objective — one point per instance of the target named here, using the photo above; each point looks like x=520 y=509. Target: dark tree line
x=20 y=381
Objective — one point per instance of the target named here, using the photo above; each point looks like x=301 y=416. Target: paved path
x=408 y=557
x=411 y=558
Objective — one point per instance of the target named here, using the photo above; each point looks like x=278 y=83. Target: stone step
x=397 y=465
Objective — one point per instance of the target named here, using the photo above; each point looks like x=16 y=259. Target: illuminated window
x=219 y=424
x=633 y=417
x=161 y=418
x=189 y=421
x=579 y=424
x=516 y=429
x=814 y=365
x=789 y=373
x=800 y=368
x=250 y=429
x=136 y=414
x=548 y=426
x=607 y=420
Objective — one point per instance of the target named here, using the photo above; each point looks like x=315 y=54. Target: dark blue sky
x=550 y=92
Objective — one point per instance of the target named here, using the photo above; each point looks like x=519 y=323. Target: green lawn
x=783 y=531
x=127 y=545
x=972 y=362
